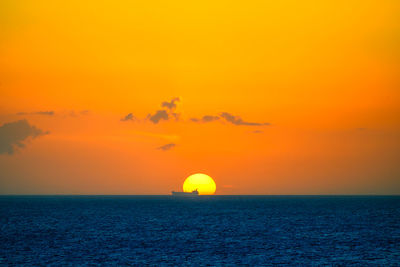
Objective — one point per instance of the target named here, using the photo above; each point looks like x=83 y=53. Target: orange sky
x=323 y=74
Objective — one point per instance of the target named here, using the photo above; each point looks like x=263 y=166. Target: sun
x=202 y=182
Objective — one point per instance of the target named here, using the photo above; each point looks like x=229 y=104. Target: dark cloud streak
x=48 y=113
x=128 y=117
x=236 y=120
x=166 y=147
x=206 y=118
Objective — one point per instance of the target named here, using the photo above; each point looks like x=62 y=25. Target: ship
x=185 y=194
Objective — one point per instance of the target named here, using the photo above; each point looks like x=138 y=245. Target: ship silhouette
x=184 y=194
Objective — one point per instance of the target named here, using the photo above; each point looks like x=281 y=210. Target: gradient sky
x=266 y=97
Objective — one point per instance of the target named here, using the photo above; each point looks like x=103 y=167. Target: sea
x=200 y=231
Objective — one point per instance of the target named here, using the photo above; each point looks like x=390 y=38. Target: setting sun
x=202 y=182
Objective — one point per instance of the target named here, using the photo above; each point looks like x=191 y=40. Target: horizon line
x=369 y=194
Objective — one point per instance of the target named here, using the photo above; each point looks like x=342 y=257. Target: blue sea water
x=208 y=230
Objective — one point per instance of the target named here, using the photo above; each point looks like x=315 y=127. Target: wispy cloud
x=48 y=113
x=13 y=135
x=170 y=105
x=168 y=112
x=65 y=113
x=128 y=117
x=166 y=147
x=72 y=113
x=236 y=120
x=206 y=118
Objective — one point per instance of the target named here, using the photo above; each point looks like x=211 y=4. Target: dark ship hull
x=185 y=194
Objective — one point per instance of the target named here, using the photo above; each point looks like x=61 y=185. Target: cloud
x=48 y=113
x=165 y=114
x=170 y=105
x=236 y=120
x=72 y=113
x=13 y=134
x=168 y=112
x=206 y=118
x=166 y=147
x=65 y=113
x=128 y=117
x=159 y=115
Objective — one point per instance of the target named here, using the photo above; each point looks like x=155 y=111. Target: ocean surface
x=208 y=230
